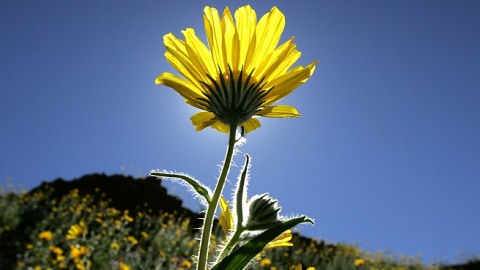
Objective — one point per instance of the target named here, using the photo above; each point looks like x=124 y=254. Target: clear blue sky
x=387 y=150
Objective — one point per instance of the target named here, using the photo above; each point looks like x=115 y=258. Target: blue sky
x=387 y=150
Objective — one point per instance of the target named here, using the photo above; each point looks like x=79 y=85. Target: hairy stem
x=212 y=206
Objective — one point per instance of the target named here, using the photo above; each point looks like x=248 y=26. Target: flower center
x=234 y=99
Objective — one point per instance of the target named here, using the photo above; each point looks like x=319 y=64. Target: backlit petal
x=221 y=127
x=268 y=32
x=230 y=41
x=279 y=111
x=213 y=28
x=185 y=88
x=251 y=124
x=203 y=120
x=177 y=55
x=199 y=54
x=285 y=84
x=246 y=22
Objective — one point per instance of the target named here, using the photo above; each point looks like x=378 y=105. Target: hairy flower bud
x=263 y=213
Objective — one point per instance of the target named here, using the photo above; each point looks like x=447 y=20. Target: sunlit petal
x=281 y=111
x=203 y=120
x=251 y=124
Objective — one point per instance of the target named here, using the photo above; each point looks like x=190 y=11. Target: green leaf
x=196 y=187
x=238 y=259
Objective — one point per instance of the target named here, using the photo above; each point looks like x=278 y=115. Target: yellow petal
x=292 y=56
x=251 y=124
x=185 y=88
x=223 y=204
x=268 y=33
x=279 y=111
x=246 y=21
x=268 y=66
x=285 y=84
x=195 y=104
x=203 y=120
x=177 y=55
x=199 y=54
x=213 y=28
x=230 y=41
x=221 y=127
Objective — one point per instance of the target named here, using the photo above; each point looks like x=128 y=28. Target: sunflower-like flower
x=77 y=230
x=76 y=252
x=242 y=74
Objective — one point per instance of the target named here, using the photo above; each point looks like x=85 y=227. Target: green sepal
x=198 y=188
x=238 y=259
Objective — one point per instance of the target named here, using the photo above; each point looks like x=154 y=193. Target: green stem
x=231 y=243
x=212 y=206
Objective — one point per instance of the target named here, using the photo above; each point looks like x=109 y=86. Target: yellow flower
x=265 y=262
x=133 y=240
x=359 y=262
x=124 y=266
x=299 y=267
x=162 y=253
x=45 y=235
x=186 y=264
x=128 y=218
x=77 y=252
x=56 y=250
x=242 y=74
x=114 y=245
x=226 y=221
x=281 y=240
x=37 y=268
x=145 y=235
x=76 y=231
x=29 y=246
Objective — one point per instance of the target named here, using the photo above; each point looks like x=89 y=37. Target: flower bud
x=263 y=213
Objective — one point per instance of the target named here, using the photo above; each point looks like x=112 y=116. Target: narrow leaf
x=196 y=187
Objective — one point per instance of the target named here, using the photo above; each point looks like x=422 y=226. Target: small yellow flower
x=128 y=218
x=359 y=262
x=133 y=240
x=265 y=262
x=299 y=267
x=29 y=246
x=242 y=74
x=77 y=252
x=62 y=265
x=76 y=231
x=162 y=253
x=145 y=235
x=45 y=235
x=37 y=268
x=114 y=245
x=60 y=258
x=186 y=264
x=56 y=250
x=124 y=266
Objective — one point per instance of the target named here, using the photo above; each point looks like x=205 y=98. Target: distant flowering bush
x=164 y=241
